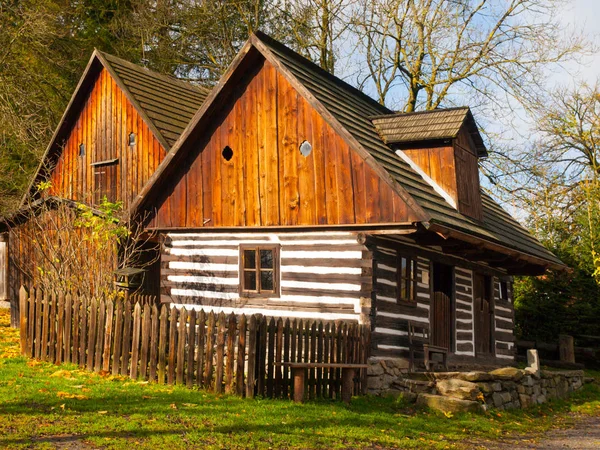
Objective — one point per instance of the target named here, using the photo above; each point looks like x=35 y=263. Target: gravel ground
x=585 y=434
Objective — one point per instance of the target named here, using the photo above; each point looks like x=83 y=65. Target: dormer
x=444 y=147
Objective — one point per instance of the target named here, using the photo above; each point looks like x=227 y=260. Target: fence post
x=566 y=348
x=23 y=296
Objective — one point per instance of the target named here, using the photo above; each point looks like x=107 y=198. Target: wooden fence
x=233 y=354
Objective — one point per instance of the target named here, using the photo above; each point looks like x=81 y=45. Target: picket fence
x=138 y=338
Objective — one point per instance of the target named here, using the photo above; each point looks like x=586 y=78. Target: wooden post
x=23 y=296
x=566 y=348
x=298 y=373
x=347 y=384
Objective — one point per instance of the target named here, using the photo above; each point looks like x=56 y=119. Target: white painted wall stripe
x=312 y=285
x=206 y=294
x=321 y=270
x=202 y=252
x=403 y=316
x=203 y=266
x=204 y=280
x=391 y=347
x=330 y=254
x=391 y=331
x=271 y=312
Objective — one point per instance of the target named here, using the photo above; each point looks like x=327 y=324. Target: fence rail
x=235 y=354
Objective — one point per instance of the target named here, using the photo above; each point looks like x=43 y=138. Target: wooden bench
x=299 y=375
x=430 y=350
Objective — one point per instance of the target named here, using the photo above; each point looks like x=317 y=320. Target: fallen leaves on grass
x=61 y=394
x=66 y=374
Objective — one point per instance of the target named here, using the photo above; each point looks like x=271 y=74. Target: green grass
x=42 y=406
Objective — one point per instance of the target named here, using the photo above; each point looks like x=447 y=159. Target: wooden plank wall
x=268 y=181
x=104 y=124
x=467 y=176
x=504 y=323
x=239 y=355
x=439 y=164
x=324 y=275
x=3 y=266
x=390 y=321
x=464 y=325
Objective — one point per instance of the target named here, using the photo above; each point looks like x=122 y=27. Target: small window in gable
x=82 y=149
x=259 y=270
x=131 y=139
x=227 y=153
x=305 y=148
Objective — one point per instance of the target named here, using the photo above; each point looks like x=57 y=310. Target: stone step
x=449 y=404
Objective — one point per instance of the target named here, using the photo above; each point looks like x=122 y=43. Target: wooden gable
x=266 y=180
x=97 y=159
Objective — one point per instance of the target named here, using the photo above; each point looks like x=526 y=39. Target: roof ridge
x=343 y=84
x=167 y=78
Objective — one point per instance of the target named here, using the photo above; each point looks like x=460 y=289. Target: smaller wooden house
x=289 y=193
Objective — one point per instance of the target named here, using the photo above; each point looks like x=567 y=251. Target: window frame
x=412 y=261
x=259 y=292
x=502 y=283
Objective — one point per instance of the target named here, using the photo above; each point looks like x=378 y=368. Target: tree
x=438 y=48
x=68 y=246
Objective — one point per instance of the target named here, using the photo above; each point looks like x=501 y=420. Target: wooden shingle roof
x=169 y=103
x=354 y=111
x=428 y=125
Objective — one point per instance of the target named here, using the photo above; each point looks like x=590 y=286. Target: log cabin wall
x=325 y=275
x=390 y=319
x=247 y=169
x=504 y=319
x=464 y=325
x=103 y=127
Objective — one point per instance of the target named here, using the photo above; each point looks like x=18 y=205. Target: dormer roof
x=401 y=128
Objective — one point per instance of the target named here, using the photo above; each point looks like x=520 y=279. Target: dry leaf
x=61 y=394
x=173 y=406
x=102 y=412
x=62 y=374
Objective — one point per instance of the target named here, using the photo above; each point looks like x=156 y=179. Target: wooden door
x=3 y=270
x=441 y=329
x=482 y=314
x=441 y=307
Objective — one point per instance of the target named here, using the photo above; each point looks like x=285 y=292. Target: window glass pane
x=249 y=259
x=250 y=280
x=266 y=280
x=403 y=288
x=266 y=259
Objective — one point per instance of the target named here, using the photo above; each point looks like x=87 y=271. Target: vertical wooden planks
x=23 y=304
x=229 y=369
x=31 y=325
x=125 y=351
x=117 y=345
x=172 y=350
x=286 y=358
x=154 y=339
x=252 y=328
x=270 y=357
x=44 y=336
x=191 y=340
x=68 y=326
x=220 y=353
x=38 y=323
x=93 y=324
x=200 y=356
x=108 y=335
x=181 y=328
x=60 y=330
x=162 y=344
x=100 y=335
x=241 y=356
x=278 y=359
x=262 y=355
x=135 y=341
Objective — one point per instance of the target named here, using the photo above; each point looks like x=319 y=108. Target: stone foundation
x=503 y=388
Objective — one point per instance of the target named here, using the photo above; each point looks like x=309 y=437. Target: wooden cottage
x=292 y=194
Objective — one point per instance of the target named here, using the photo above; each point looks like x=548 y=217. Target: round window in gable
x=305 y=148
x=81 y=149
x=227 y=153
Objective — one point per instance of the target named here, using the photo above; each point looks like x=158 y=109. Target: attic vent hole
x=81 y=149
x=305 y=148
x=227 y=153
x=131 y=139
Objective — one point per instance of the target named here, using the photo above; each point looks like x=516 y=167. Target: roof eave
x=497 y=247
